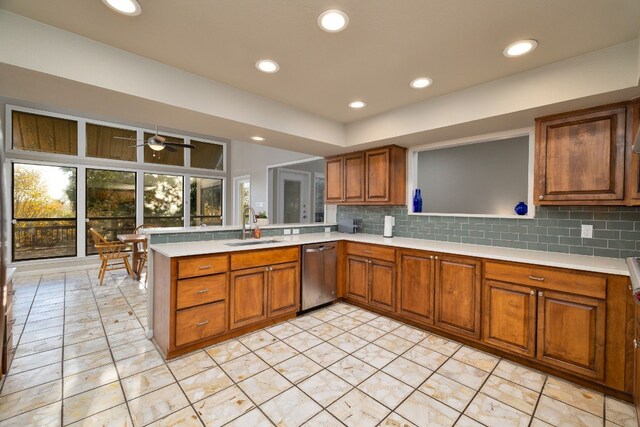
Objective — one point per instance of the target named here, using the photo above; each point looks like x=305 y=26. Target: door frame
x=305 y=190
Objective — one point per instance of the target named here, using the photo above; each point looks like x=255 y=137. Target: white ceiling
x=457 y=43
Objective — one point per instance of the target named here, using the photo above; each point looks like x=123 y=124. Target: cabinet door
x=509 y=317
x=248 y=292
x=354 y=177
x=581 y=157
x=633 y=159
x=284 y=289
x=458 y=295
x=415 y=287
x=377 y=175
x=334 y=184
x=357 y=278
x=571 y=332
x=382 y=284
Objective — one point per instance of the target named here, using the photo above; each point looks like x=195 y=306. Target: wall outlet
x=587 y=231
x=296 y=231
x=287 y=231
x=327 y=229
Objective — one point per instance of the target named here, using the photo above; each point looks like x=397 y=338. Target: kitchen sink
x=252 y=242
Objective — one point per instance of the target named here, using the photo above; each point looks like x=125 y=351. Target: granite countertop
x=550 y=259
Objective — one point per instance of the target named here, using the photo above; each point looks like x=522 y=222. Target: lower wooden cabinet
x=371 y=281
x=357 y=278
x=416 y=277
x=571 y=333
x=283 y=289
x=509 y=317
x=457 y=292
x=248 y=297
x=194 y=324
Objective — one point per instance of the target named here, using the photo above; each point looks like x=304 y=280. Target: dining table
x=138 y=247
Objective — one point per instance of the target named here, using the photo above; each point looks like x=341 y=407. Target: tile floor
x=83 y=360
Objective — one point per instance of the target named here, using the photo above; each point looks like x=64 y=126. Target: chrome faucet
x=252 y=214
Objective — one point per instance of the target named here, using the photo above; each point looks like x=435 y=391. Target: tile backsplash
x=616 y=230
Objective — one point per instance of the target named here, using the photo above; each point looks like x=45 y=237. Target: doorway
x=294 y=198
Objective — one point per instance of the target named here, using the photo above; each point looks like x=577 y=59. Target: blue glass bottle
x=417 y=201
x=521 y=208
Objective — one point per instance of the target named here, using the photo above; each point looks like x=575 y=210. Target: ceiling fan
x=157 y=143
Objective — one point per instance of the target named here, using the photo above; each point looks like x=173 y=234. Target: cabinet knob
x=431 y=256
x=540 y=294
x=270 y=268
x=540 y=197
x=436 y=257
x=266 y=269
x=532 y=292
x=204 y=267
x=369 y=261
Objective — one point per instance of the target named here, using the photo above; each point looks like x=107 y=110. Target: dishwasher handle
x=318 y=249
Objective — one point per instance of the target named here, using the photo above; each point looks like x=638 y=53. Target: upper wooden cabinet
x=373 y=177
x=585 y=158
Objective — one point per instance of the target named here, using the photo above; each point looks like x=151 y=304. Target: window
x=206 y=201
x=318 y=196
x=33 y=132
x=167 y=156
x=163 y=200
x=103 y=142
x=111 y=204
x=44 y=211
x=207 y=155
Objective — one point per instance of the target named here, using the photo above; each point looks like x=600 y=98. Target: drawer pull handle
x=202 y=291
x=537 y=279
x=204 y=322
x=367 y=252
x=204 y=267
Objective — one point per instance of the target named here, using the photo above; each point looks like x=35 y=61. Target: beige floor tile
x=277 y=352
x=83 y=348
x=157 y=404
x=384 y=323
x=407 y=371
x=357 y=409
x=557 y=413
x=244 y=367
x=410 y=334
x=82 y=336
x=580 y=397
x=91 y=402
x=297 y=368
x=147 y=381
x=126 y=326
x=448 y=391
x=325 y=331
x=492 y=412
x=132 y=349
x=367 y=332
x=477 y=359
x=386 y=389
x=37 y=360
x=257 y=340
x=325 y=387
x=348 y=342
x=253 y=418
x=538 y=423
x=345 y=323
x=302 y=341
x=342 y=308
x=323 y=419
x=512 y=394
x=205 y=383
x=227 y=351
x=621 y=413
x=464 y=374
x=29 y=399
x=283 y=330
x=118 y=416
x=45 y=416
x=87 y=380
x=394 y=343
x=520 y=375
x=224 y=406
x=291 y=408
x=38 y=346
x=305 y=322
x=465 y=421
x=139 y=363
x=362 y=315
x=325 y=314
x=423 y=356
x=395 y=420
x=325 y=354
x=352 y=370
x=126 y=337
x=78 y=327
x=375 y=356
x=18 y=382
x=35 y=325
x=424 y=411
x=185 y=417
x=41 y=334
x=190 y=365
x=265 y=385
x=441 y=345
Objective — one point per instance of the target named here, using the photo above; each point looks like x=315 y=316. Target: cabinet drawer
x=202 y=266
x=539 y=277
x=242 y=260
x=201 y=290
x=197 y=323
x=371 y=251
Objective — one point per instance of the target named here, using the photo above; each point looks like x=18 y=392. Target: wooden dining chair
x=142 y=247
x=112 y=255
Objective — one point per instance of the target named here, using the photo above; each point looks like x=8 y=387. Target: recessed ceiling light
x=257 y=138
x=126 y=7
x=267 y=66
x=420 y=82
x=357 y=104
x=333 y=20
x=519 y=48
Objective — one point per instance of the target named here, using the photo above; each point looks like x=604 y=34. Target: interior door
x=293 y=199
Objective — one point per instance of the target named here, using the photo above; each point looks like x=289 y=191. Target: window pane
x=34 y=132
x=207 y=155
x=163 y=200
x=206 y=201
x=111 y=203
x=245 y=200
x=164 y=157
x=44 y=211
x=101 y=142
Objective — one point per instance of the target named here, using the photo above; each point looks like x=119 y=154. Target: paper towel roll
x=389 y=222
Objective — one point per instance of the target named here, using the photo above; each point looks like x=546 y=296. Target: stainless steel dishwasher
x=319 y=274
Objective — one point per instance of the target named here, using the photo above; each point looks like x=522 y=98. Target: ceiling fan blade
x=170 y=148
x=135 y=146
x=127 y=138
x=175 y=144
